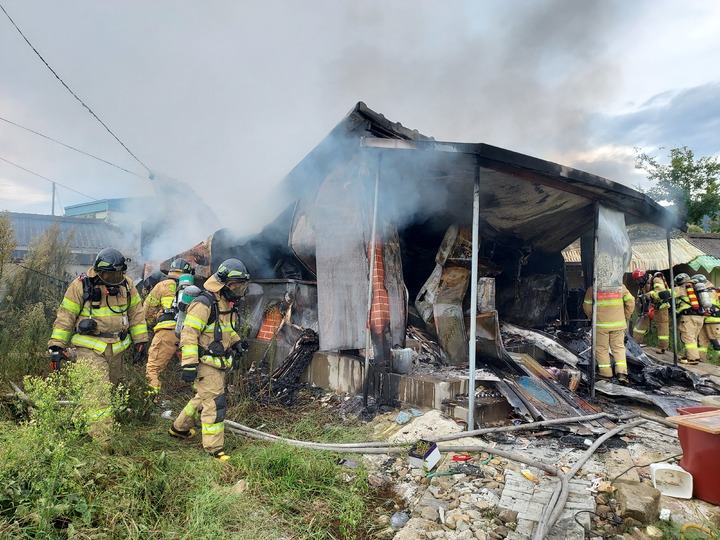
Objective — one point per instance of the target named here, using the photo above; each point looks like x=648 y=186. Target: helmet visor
x=237 y=288
x=111 y=277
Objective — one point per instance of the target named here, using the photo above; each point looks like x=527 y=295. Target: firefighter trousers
x=662 y=322
x=97 y=398
x=163 y=347
x=689 y=328
x=709 y=331
x=610 y=340
x=209 y=406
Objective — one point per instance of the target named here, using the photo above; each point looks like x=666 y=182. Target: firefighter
x=160 y=312
x=209 y=342
x=691 y=317
x=710 y=304
x=100 y=315
x=654 y=304
x=614 y=308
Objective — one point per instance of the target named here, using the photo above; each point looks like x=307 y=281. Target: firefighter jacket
x=119 y=319
x=197 y=336
x=714 y=317
x=654 y=287
x=614 y=307
x=160 y=309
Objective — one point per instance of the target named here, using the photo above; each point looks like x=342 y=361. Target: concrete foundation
x=345 y=373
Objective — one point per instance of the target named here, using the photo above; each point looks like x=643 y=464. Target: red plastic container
x=701 y=455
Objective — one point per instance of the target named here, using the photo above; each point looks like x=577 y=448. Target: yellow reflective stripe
x=702 y=349
x=691 y=346
x=190 y=349
x=601 y=366
x=639 y=331
x=138 y=329
x=167 y=301
x=89 y=343
x=165 y=324
x=105 y=311
x=71 y=306
x=611 y=324
x=663 y=338
x=213 y=429
x=194 y=322
x=613 y=302
x=152 y=301
x=588 y=301
x=190 y=411
x=121 y=345
x=135 y=300
x=62 y=335
x=214 y=361
x=620 y=363
x=627 y=297
x=712 y=320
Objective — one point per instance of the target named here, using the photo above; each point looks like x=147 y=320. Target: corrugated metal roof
x=650 y=255
x=707 y=262
x=708 y=243
x=90 y=235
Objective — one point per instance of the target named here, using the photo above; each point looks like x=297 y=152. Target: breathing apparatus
x=186 y=293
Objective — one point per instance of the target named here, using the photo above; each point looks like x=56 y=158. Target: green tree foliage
x=7 y=241
x=691 y=186
x=42 y=276
x=33 y=290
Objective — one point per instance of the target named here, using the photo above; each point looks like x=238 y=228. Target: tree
x=690 y=185
x=7 y=241
x=42 y=277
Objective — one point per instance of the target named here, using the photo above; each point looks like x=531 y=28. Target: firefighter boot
x=181 y=434
x=220 y=456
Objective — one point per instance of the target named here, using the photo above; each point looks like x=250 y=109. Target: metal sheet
x=448 y=313
x=341 y=225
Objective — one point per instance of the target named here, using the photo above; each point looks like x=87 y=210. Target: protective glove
x=241 y=346
x=58 y=355
x=189 y=373
x=665 y=295
x=140 y=353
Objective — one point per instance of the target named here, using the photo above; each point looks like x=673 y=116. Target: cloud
x=12 y=192
x=685 y=117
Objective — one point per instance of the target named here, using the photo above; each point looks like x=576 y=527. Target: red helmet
x=638 y=274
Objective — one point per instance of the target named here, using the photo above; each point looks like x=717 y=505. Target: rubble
x=489 y=497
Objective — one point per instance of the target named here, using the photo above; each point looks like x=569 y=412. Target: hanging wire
x=70 y=147
x=57 y=280
x=73 y=93
x=44 y=178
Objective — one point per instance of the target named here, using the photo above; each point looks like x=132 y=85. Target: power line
x=58 y=280
x=73 y=93
x=68 y=146
x=48 y=179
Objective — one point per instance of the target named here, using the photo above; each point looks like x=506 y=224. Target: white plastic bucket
x=672 y=480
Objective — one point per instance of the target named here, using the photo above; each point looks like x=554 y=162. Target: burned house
x=387 y=231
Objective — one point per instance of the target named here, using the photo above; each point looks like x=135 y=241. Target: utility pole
x=53 y=199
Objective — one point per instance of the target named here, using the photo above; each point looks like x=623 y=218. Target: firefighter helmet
x=232 y=270
x=682 y=278
x=699 y=278
x=181 y=265
x=638 y=274
x=110 y=266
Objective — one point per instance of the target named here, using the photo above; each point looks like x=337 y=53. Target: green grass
x=55 y=483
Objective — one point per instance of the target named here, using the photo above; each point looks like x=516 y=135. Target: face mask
x=235 y=290
x=111 y=277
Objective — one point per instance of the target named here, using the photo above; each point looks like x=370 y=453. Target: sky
x=220 y=99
